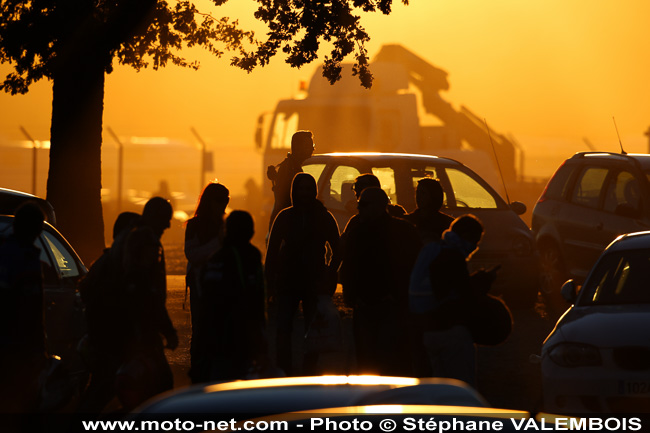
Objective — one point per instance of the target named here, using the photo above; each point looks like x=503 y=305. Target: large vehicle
x=403 y=112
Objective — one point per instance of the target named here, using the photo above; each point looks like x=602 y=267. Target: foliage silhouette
x=75 y=43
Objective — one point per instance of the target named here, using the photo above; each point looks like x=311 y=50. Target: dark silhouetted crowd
x=404 y=275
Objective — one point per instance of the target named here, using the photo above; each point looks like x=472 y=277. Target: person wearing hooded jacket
x=447 y=338
x=301 y=263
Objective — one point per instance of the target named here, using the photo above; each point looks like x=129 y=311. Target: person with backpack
x=146 y=372
x=302 y=259
x=233 y=310
x=445 y=310
x=302 y=147
x=103 y=294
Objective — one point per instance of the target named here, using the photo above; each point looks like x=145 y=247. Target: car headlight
x=522 y=245
x=575 y=355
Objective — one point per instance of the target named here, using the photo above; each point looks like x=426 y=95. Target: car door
x=624 y=210
x=64 y=320
x=581 y=220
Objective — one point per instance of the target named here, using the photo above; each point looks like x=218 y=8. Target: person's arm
x=332 y=237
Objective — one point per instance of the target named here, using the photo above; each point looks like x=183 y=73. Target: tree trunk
x=74 y=181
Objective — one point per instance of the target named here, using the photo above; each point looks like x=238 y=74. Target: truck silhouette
x=402 y=112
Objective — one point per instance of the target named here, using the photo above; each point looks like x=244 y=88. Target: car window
x=468 y=192
x=386 y=176
x=559 y=183
x=285 y=125
x=49 y=271
x=340 y=188
x=588 y=187
x=623 y=193
x=314 y=169
x=620 y=278
x=63 y=260
x=50 y=275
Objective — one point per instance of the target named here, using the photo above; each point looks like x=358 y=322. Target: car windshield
x=620 y=278
x=468 y=192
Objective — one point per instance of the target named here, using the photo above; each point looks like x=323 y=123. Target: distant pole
x=202 y=171
x=120 y=168
x=34 y=157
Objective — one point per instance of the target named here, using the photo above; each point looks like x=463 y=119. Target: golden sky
x=549 y=73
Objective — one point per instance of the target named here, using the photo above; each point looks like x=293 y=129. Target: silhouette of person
x=103 y=293
x=448 y=341
x=233 y=304
x=203 y=238
x=379 y=252
x=427 y=217
x=302 y=147
x=22 y=334
x=368 y=180
x=146 y=288
x=301 y=263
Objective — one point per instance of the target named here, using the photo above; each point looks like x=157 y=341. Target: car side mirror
x=569 y=291
x=518 y=207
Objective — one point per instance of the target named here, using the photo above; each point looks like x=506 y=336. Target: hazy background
x=550 y=73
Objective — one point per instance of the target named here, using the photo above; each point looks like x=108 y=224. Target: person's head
x=470 y=230
x=302 y=145
x=124 y=222
x=213 y=201
x=372 y=203
x=240 y=227
x=364 y=181
x=28 y=222
x=157 y=214
x=429 y=194
x=303 y=189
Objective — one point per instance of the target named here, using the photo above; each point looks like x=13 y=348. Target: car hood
x=607 y=325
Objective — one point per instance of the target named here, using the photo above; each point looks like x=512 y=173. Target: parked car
x=590 y=200
x=597 y=359
x=401 y=417
x=62 y=269
x=246 y=398
x=507 y=241
x=11 y=199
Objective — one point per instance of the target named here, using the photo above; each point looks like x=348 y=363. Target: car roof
x=381 y=156
x=642 y=159
x=630 y=241
x=278 y=395
x=10 y=200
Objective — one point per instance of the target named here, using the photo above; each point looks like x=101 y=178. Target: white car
x=597 y=359
x=508 y=242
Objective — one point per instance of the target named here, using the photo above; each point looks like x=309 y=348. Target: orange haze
x=550 y=74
